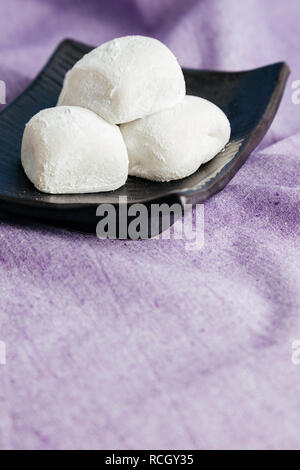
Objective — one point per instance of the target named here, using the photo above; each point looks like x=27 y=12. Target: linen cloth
x=144 y=345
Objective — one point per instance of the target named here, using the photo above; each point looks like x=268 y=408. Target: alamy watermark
x=2 y=92
x=165 y=221
x=2 y=353
x=295 y=358
x=296 y=93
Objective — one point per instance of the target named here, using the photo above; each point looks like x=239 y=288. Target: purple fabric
x=127 y=345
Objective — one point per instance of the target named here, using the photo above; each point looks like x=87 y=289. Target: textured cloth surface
x=117 y=344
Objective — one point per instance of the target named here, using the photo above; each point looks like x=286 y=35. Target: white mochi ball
x=125 y=79
x=73 y=150
x=173 y=143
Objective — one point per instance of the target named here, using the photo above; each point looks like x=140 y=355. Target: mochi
x=173 y=143
x=125 y=79
x=73 y=150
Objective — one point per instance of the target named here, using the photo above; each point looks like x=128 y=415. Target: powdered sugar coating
x=69 y=149
x=125 y=79
x=173 y=143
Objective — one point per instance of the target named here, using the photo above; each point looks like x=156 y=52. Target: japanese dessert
x=69 y=149
x=136 y=82
x=125 y=79
x=173 y=143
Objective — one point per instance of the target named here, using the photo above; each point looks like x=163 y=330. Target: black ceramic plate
x=249 y=99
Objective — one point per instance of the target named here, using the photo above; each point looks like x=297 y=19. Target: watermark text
x=2 y=92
